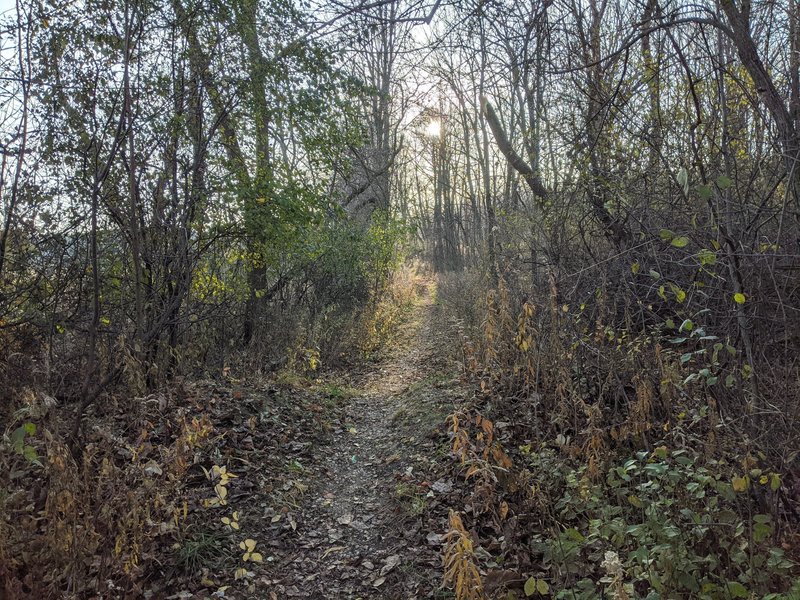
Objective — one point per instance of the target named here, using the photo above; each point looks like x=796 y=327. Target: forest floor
x=301 y=485
x=342 y=485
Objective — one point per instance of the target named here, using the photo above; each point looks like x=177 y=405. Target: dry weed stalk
x=460 y=570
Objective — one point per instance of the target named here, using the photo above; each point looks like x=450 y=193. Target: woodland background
x=607 y=191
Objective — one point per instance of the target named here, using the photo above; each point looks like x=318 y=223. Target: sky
x=6 y=5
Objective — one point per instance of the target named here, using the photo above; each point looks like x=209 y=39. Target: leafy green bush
x=678 y=529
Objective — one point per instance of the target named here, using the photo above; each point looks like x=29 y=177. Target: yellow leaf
x=530 y=586
x=635 y=268
x=740 y=484
x=221 y=490
x=503 y=510
x=207 y=582
x=226 y=520
x=239 y=573
x=739 y=298
x=256 y=557
x=249 y=544
x=236 y=515
x=763 y=480
x=235 y=526
x=542 y=587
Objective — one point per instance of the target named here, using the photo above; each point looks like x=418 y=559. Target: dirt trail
x=353 y=540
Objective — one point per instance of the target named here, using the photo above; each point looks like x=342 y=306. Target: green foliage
x=710 y=356
x=18 y=442
x=679 y=527
x=203 y=549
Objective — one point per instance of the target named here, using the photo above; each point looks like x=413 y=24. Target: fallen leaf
x=503 y=510
x=434 y=539
x=345 y=519
x=379 y=582
x=332 y=549
x=390 y=564
x=443 y=487
x=152 y=469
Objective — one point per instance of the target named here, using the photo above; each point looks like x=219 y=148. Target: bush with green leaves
x=677 y=527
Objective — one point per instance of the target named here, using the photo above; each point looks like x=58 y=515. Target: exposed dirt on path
x=362 y=527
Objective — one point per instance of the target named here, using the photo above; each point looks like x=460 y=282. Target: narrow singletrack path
x=353 y=539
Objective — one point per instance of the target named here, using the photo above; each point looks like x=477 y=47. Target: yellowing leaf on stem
x=536 y=586
x=740 y=484
x=530 y=586
x=249 y=546
x=739 y=298
x=221 y=490
x=232 y=521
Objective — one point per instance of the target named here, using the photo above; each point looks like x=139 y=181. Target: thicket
x=175 y=178
x=631 y=329
x=182 y=216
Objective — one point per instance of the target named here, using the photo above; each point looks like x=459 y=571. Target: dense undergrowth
x=147 y=505
x=603 y=462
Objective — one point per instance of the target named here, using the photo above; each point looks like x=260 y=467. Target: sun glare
x=434 y=128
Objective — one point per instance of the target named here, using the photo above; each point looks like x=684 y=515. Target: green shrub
x=679 y=528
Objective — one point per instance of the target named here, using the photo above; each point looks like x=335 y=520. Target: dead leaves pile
x=159 y=501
